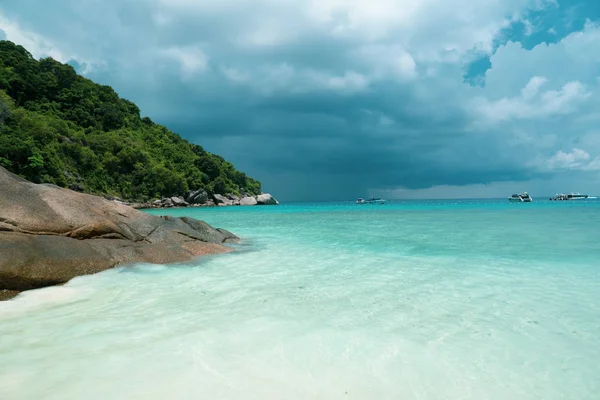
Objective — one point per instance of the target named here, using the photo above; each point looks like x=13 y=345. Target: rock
x=49 y=235
x=209 y=234
x=266 y=199
x=233 y=197
x=139 y=206
x=157 y=203
x=228 y=236
x=8 y=294
x=113 y=198
x=76 y=187
x=167 y=203
x=221 y=200
x=179 y=202
x=248 y=201
x=210 y=203
x=197 y=197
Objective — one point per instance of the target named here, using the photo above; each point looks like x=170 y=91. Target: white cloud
x=430 y=30
x=593 y=165
x=37 y=45
x=576 y=159
x=529 y=29
x=192 y=60
x=40 y=46
x=533 y=86
x=533 y=104
x=575 y=57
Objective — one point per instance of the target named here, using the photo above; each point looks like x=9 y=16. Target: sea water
x=409 y=300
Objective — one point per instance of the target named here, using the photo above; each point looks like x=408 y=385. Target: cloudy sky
x=335 y=99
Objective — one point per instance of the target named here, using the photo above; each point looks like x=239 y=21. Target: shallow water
x=416 y=300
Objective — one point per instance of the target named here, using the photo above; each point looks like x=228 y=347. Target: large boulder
x=197 y=197
x=221 y=200
x=49 y=235
x=248 y=201
x=188 y=195
x=179 y=202
x=266 y=199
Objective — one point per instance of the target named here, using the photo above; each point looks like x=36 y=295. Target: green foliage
x=58 y=127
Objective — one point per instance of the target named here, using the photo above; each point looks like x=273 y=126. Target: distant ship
x=570 y=196
x=370 y=200
x=520 y=198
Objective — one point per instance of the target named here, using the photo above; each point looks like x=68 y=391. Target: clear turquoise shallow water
x=416 y=300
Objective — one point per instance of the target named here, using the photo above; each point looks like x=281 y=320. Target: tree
x=59 y=127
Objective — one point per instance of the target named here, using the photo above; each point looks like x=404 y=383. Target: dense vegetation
x=58 y=127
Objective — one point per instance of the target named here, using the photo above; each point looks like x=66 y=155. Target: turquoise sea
x=446 y=299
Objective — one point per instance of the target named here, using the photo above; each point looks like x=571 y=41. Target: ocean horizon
x=414 y=299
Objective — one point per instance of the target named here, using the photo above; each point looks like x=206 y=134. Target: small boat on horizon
x=370 y=200
x=520 y=198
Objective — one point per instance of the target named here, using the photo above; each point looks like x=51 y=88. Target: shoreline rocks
x=266 y=199
x=200 y=198
x=248 y=201
x=49 y=235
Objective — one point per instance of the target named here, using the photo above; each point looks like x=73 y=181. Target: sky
x=339 y=99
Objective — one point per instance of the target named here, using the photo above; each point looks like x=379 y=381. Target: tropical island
x=73 y=157
x=58 y=127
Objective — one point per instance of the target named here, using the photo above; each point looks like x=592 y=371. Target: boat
x=370 y=200
x=520 y=198
x=570 y=196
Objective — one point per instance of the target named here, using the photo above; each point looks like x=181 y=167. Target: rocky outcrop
x=248 y=201
x=179 y=202
x=49 y=235
x=196 y=197
x=200 y=198
x=266 y=199
x=222 y=200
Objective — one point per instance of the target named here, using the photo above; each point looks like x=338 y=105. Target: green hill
x=61 y=128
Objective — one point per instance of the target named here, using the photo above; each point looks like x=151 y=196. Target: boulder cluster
x=199 y=198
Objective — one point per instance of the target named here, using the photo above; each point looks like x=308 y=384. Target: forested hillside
x=59 y=127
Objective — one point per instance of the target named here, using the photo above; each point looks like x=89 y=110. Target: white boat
x=370 y=200
x=520 y=198
x=570 y=196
